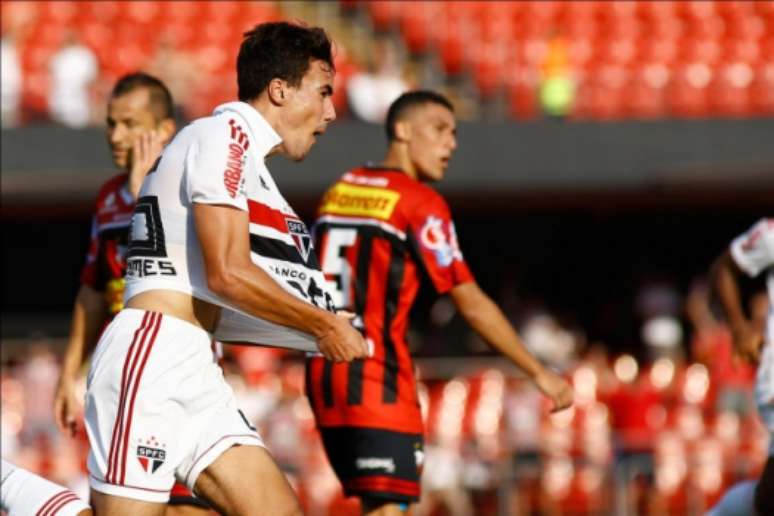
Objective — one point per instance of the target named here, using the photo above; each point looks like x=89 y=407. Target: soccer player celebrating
x=139 y=123
x=376 y=228
x=751 y=254
x=214 y=246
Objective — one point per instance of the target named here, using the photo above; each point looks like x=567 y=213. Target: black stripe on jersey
x=355 y=372
x=279 y=250
x=327 y=383
x=391 y=298
x=363 y=230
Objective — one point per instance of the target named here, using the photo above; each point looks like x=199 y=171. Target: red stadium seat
x=730 y=88
x=383 y=14
x=644 y=98
x=762 y=89
x=522 y=91
x=687 y=90
x=600 y=95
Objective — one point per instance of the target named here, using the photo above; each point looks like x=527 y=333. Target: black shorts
x=374 y=463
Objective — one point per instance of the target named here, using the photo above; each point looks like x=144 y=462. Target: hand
x=145 y=151
x=66 y=407
x=341 y=342
x=747 y=342
x=556 y=388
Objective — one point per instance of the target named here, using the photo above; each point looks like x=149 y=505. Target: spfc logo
x=300 y=236
x=150 y=454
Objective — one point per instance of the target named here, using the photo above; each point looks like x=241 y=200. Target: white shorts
x=157 y=407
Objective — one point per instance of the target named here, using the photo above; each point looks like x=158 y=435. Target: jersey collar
x=263 y=135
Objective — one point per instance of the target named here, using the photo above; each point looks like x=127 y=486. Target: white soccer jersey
x=220 y=160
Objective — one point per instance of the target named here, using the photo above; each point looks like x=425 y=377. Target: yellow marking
x=364 y=201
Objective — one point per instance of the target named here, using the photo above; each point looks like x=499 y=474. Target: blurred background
x=608 y=152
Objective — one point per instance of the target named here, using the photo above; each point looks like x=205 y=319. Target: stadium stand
x=645 y=59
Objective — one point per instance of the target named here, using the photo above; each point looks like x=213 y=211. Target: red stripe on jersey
x=156 y=325
x=267 y=216
x=383 y=483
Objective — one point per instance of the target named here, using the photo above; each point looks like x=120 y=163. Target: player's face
x=128 y=116
x=309 y=111
x=433 y=140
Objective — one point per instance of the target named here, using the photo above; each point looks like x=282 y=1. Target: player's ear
x=402 y=130
x=166 y=129
x=277 y=91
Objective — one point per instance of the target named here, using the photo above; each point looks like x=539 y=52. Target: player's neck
x=397 y=157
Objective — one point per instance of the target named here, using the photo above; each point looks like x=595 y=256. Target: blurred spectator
x=11 y=74
x=557 y=86
x=38 y=377
x=73 y=68
x=371 y=92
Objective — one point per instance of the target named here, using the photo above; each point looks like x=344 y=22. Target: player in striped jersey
x=377 y=228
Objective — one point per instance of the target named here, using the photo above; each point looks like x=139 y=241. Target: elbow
x=222 y=283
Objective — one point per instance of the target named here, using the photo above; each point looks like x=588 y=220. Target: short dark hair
x=160 y=98
x=279 y=50
x=409 y=100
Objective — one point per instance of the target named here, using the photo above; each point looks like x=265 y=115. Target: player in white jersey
x=214 y=246
x=751 y=254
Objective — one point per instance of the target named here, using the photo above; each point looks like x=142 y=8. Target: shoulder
x=111 y=186
x=421 y=197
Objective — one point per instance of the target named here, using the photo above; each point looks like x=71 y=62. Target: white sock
x=26 y=494
x=738 y=501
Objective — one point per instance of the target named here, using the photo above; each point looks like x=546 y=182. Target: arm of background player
x=490 y=323
x=223 y=233
x=725 y=282
x=89 y=314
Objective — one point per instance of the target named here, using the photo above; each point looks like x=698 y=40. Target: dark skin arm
x=486 y=318
x=724 y=276
x=223 y=233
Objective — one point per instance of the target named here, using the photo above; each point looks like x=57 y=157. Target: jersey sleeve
x=214 y=166
x=89 y=270
x=434 y=238
x=753 y=251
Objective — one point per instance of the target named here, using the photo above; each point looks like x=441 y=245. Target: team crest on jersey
x=151 y=454
x=301 y=237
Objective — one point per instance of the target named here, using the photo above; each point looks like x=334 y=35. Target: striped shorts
x=157 y=407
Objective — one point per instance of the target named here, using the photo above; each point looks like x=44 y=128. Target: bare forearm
x=491 y=324
x=89 y=313
x=255 y=292
x=725 y=281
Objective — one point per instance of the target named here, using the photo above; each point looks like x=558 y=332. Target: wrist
x=321 y=323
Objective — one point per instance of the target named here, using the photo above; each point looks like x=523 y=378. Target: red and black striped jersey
x=105 y=260
x=375 y=231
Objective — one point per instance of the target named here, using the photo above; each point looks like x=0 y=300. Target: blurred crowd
x=589 y=59
x=664 y=433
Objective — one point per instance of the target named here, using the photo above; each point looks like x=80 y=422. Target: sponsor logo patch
x=385 y=463
x=363 y=201
x=442 y=242
x=233 y=179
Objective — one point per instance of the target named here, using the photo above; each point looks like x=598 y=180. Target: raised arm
x=490 y=323
x=725 y=276
x=223 y=234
